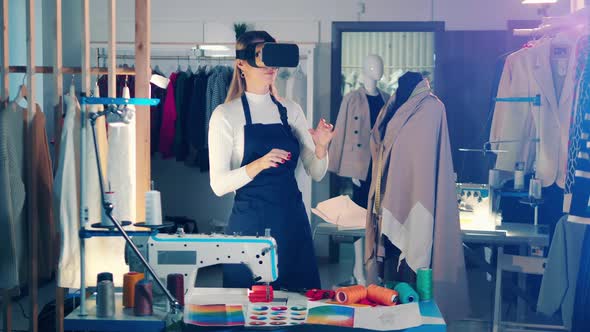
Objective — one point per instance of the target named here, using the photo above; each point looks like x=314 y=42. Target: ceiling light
x=538 y=2
x=213 y=48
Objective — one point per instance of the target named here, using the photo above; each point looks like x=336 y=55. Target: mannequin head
x=372 y=72
x=373 y=67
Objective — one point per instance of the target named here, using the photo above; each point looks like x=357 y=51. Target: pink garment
x=168 y=128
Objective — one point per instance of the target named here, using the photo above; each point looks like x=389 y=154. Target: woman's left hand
x=322 y=136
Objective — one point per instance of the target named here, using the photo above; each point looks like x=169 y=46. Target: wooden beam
x=33 y=229
x=86 y=89
x=142 y=90
x=112 y=48
x=59 y=89
x=5 y=52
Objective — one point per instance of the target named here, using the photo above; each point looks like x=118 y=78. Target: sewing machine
x=186 y=253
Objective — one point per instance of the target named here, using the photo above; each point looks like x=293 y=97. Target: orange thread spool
x=351 y=294
x=382 y=295
x=129 y=281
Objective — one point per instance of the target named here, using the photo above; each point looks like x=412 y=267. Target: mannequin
x=372 y=73
x=349 y=152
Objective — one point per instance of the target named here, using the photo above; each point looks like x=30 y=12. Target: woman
x=255 y=141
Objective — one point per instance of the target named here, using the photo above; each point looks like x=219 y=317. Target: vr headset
x=262 y=55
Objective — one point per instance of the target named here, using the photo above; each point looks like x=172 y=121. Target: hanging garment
x=58 y=123
x=272 y=200
x=349 y=153
x=122 y=167
x=558 y=288
x=196 y=127
x=577 y=184
x=581 y=319
x=12 y=191
x=296 y=88
x=40 y=191
x=156 y=115
x=527 y=73
x=281 y=81
x=166 y=143
x=65 y=198
x=182 y=91
x=413 y=185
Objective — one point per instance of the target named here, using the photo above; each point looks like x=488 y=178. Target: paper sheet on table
x=389 y=318
x=342 y=211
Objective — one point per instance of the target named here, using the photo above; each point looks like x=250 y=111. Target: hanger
x=21 y=97
x=179 y=69
x=73 y=87
x=188 y=68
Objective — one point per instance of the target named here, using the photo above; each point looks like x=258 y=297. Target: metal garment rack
x=107 y=207
x=535 y=101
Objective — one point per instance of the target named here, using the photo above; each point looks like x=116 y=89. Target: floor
x=481 y=292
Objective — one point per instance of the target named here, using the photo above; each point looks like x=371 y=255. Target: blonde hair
x=238 y=83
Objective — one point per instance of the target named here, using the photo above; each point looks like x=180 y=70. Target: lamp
x=544 y=5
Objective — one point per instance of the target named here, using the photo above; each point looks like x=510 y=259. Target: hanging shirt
x=65 y=198
x=12 y=191
x=226 y=140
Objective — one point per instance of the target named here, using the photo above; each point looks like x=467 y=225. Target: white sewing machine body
x=186 y=253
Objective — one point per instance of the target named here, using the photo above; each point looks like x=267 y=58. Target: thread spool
x=175 y=285
x=105 y=221
x=144 y=298
x=129 y=281
x=351 y=294
x=519 y=176
x=153 y=207
x=424 y=283
x=407 y=294
x=494 y=178
x=382 y=295
x=104 y=276
x=535 y=188
x=105 y=299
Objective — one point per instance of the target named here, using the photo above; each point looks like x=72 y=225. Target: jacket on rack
x=196 y=123
x=65 y=198
x=12 y=191
x=419 y=213
x=40 y=191
x=217 y=87
x=526 y=73
x=349 y=151
x=166 y=142
x=558 y=288
x=577 y=184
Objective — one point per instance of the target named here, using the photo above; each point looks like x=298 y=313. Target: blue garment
x=273 y=200
x=579 y=183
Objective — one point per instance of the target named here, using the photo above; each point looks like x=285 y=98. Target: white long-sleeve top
x=226 y=140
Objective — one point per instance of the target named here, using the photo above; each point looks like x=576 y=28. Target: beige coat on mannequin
x=419 y=212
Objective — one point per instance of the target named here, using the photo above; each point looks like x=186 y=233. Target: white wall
x=457 y=14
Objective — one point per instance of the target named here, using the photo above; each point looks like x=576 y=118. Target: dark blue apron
x=273 y=200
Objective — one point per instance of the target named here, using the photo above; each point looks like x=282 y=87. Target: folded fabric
x=341 y=211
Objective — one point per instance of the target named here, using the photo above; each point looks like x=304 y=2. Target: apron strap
x=246 y=107
x=282 y=111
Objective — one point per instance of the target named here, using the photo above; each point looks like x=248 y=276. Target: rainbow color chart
x=214 y=315
x=331 y=315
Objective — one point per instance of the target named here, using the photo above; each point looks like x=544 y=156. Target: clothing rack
x=551 y=25
x=142 y=88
